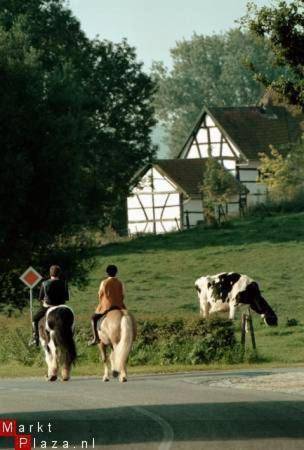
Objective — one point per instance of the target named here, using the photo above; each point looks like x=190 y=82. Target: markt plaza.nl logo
x=8 y=429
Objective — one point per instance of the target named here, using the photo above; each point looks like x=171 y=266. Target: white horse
x=56 y=334
x=117 y=331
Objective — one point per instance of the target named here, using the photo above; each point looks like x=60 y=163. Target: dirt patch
x=290 y=382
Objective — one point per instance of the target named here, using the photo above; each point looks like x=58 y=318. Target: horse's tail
x=124 y=346
x=60 y=321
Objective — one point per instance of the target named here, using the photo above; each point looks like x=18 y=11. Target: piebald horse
x=56 y=334
x=117 y=331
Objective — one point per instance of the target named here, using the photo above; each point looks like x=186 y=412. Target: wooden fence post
x=187 y=220
x=247 y=324
x=251 y=331
x=243 y=328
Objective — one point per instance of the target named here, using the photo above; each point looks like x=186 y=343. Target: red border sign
x=30 y=277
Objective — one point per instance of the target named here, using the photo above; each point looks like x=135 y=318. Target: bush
x=14 y=347
x=271 y=207
x=159 y=342
x=180 y=341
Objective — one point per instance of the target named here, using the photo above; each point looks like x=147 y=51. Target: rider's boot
x=95 y=339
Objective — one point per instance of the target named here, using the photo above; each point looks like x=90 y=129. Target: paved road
x=157 y=412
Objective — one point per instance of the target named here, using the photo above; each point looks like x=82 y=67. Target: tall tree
x=75 y=124
x=208 y=70
x=282 y=24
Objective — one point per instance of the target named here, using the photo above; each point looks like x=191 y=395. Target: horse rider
x=111 y=296
x=53 y=292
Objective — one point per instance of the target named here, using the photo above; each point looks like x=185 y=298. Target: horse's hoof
x=105 y=379
x=65 y=379
x=123 y=380
x=115 y=373
x=52 y=378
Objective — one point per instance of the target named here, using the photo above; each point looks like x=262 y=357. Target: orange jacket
x=111 y=293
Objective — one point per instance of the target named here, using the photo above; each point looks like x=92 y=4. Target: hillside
x=159 y=271
x=159 y=274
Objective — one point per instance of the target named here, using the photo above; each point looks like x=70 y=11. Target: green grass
x=159 y=274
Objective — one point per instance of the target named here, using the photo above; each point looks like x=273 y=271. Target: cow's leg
x=232 y=309
x=204 y=309
x=104 y=357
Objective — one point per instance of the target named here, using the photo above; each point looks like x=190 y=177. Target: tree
x=75 y=123
x=282 y=25
x=217 y=188
x=208 y=70
x=283 y=172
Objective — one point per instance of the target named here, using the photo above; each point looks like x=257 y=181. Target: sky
x=154 y=26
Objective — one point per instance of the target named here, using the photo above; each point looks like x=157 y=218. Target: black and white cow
x=228 y=291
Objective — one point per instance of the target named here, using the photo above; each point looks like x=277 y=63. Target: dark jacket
x=54 y=292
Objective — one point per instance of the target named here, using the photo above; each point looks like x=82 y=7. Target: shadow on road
x=190 y=422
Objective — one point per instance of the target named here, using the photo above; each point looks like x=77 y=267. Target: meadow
x=159 y=274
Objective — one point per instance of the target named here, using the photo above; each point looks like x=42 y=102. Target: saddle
x=112 y=308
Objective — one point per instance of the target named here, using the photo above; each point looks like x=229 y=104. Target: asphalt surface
x=182 y=411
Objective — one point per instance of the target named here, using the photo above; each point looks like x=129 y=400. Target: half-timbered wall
x=210 y=141
x=193 y=209
x=248 y=175
x=155 y=205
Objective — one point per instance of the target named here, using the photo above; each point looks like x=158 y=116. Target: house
x=236 y=136
x=167 y=194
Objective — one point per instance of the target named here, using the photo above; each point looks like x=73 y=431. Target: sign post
x=31 y=277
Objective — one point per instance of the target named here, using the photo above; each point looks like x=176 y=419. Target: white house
x=167 y=195
x=236 y=136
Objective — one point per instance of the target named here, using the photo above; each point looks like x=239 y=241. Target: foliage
x=160 y=341
x=282 y=24
x=292 y=322
x=212 y=71
x=75 y=117
x=217 y=187
x=282 y=206
x=176 y=341
x=282 y=173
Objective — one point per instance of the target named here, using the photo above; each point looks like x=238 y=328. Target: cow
x=229 y=290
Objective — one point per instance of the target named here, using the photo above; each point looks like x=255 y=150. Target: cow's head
x=202 y=284
x=270 y=319
x=264 y=309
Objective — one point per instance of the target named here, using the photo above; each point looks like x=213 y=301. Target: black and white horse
x=228 y=291
x=56 y=333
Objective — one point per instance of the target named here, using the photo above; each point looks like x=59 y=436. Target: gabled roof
x=253 y=129
x=188 y=174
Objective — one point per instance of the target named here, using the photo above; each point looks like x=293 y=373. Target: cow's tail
x=61 y=323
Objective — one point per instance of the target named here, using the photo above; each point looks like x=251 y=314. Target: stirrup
x=94 y=341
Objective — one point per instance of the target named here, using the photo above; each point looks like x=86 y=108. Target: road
x=182 y=411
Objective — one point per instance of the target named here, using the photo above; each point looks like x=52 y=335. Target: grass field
x=159 y=274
